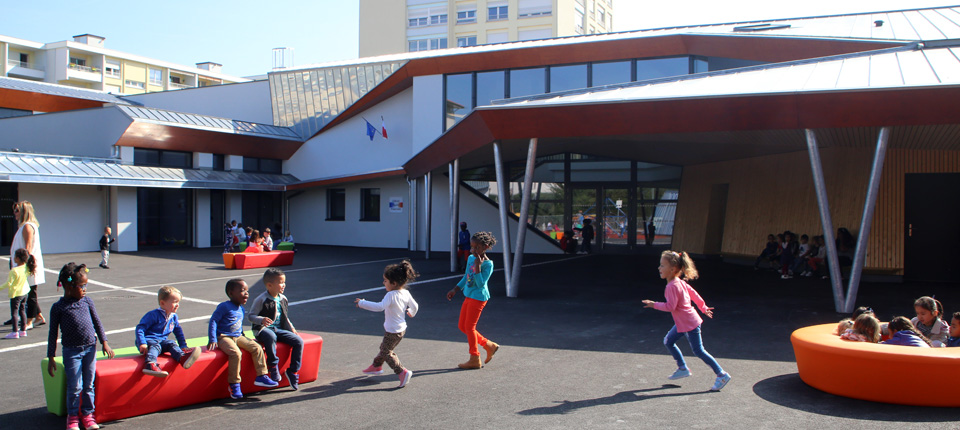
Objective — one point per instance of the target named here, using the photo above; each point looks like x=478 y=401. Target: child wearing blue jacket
x=153 y=333
x=226 y=332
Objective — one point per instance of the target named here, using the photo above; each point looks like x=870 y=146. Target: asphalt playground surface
x=578 y=350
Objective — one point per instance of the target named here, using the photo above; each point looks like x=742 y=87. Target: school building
x=703 y=139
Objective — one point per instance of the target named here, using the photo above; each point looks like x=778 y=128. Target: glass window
x=219 y=162
x=662 y=67
x=459 y=94
x=417 y=22
x=156 y=77
x=251 y=164
x=440 y=43
x=611 y=73
x=176 y=159
x=134 y=84
x=490 y=87
x=24 y=58
x=369 y=204
x=438 y=19
x=466 y=16
x=568 y=77
x=336 y=204
x=525 y=82
x=271 y=165
x=585 y=168
x=146 y=157
x=700 y=65
x=466 y=41
x=112 y=68
x=497 y=13
x=78 y=61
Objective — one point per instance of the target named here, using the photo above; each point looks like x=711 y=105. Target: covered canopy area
x=751 y=126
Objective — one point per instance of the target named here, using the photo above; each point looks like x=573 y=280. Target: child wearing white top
x=396 y=305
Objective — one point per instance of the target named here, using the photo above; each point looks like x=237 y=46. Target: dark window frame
x=333 y=193
x=370 y=198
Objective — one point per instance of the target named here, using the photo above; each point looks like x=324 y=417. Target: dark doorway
x=164 y=217
x=716 y=218
x=8 y=224
x=262 y=209
x=217 y=217
x=932 y=230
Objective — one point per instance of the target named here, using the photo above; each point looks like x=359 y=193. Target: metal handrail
x=18 y=63
x=84 y=68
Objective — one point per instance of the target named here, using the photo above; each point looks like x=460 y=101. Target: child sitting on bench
x=153 y=334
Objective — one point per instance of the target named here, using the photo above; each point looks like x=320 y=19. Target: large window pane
x=369 y=204
x=459 y=89
x=591 y=169
x=526 y=82
x=564 y=78
x=336 y=204
x=490 y=87
x=611 y=73
x=662 y=67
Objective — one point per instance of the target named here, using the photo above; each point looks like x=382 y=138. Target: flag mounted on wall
x=371 y=131
x=383 y=128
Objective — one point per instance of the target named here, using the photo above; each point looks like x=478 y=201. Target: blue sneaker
x=679 y=374
x=235 y=392
x=275 y=374
x=265 y=381
x=720 y=382
x=294 y=379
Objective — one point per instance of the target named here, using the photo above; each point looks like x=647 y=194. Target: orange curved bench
x=879 y=373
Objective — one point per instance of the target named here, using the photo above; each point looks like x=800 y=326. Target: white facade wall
x=346 y=149
x=123 y=218
x=308 y=212
x=249 y=101
x=201 y=220
x=87 y=132
x=71 y=217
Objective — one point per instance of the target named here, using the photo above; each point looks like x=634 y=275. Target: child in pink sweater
x=680 y=300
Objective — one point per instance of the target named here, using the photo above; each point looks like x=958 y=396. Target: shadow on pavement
x=791 y=392
x=566 y=406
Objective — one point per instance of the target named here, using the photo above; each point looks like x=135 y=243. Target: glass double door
x=608 y=210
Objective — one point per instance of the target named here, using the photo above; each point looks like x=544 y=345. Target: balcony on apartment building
x=23 y=69
x=82 y=72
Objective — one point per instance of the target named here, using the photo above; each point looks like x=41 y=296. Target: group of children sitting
x=790 y=257
x=927 y=329
x=234 y=234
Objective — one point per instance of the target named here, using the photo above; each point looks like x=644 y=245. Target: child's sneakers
x=294 y=379
x=405 y=377
x=679 y=374
x=23 y=333
x=73 y=422
x=13 y=335
x=373 y=370
x=153 y=370
x=234 y=390
x=720 y=382
x=187 y=360
x=275 y=374
x=265 y=381
x=89 y=423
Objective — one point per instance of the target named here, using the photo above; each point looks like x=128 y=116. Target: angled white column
x=866 y=222
x=514 y=285
x=428 y=203
x=503 y=200
x=832 y=261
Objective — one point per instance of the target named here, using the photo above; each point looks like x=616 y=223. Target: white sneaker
x=679 y=374
x=721 y=382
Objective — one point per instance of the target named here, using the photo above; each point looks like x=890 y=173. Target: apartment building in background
x=84 y=62
x=394 y=26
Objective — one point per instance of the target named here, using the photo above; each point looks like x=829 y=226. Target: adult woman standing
x=28 y=237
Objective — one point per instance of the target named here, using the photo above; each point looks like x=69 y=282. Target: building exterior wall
x=428 y=122
x=123 y=218
x=89 y=132
x=249 y=101
x=71 y=217
x=775 y=193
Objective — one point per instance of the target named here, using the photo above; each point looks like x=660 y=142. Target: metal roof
x=54 y=169
x=204 y=122
x=900 y=25
x=59 y=90
x=915 y=65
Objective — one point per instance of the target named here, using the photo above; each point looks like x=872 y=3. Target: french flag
x=383 y=128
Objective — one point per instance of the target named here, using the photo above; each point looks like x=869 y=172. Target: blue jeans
x=80 y=365
x=155 y=348
x=696 y=344
x=269 y=337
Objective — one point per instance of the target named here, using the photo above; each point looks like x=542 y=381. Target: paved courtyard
x=578 y=349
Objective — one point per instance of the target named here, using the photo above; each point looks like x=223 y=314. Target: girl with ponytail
x=17 y=290
x=676 y=267
x=396 y=305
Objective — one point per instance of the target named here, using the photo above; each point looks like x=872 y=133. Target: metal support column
x=412 y=214
x=428 y=203
x=828 y=236
x=452 y=169
x=503 y=199
x=868 y=207
x=522 y=225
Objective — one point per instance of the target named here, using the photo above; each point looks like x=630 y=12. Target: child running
x=75 y=316
x=153 y=334
x=270 y=315
x=17 y=290
x=396 y=304
x=679 y=295
x=475 y=297
x=226 y=331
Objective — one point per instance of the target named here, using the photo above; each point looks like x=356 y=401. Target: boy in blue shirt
x=270 y=315
x=954 y=339
x=226 y=332
x=153 y=332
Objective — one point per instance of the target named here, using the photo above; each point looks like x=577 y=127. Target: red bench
x=123 y=391
x=254 y=260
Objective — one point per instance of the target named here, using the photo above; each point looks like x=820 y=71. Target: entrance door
x=932 y=231
x=614 y=219
x=217 y=217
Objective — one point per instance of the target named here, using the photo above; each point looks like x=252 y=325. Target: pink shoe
x=373 y=370
x=23 y=334
x=89 y=423
x=73 y=422
x=16 y=335
x=405 y=377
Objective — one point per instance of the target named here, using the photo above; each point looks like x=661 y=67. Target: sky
x=240 y=34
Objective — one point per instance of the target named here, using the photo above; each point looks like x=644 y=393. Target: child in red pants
x=475 y=292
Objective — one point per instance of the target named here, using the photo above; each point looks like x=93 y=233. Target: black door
x=932 y=244
x=217 y=217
